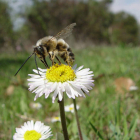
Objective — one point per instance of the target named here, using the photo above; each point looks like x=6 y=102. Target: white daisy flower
x=70 y=108
x=59 y=79
x=36 y=105
x=31 y=131
x=55 y=119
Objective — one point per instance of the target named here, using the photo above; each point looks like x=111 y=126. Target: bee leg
x=51 y=56
x=42 y=58
x=45 y=63
x=58 y=60
x=36 y=65
x=67 y=58
x=68 y=63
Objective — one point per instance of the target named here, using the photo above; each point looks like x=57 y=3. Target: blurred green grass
x=103 y=114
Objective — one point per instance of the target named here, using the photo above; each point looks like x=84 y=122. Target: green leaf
x=133 y=127
x=96 y=131
x=125 y=127
x=132 y=123
x=118 y=112
x=126 y=137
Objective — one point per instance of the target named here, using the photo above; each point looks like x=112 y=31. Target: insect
x=53 y=47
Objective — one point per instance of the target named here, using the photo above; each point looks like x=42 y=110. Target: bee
x=53 y=47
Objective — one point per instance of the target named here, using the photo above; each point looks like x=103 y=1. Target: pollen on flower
x=32 y=135
x=60 y=73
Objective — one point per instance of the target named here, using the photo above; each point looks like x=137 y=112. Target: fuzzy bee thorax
x=47 y=41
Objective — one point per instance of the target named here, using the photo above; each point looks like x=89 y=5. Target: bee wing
x=65 y=32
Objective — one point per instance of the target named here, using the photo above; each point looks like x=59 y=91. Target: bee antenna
x=36 y=65
x=23 y=64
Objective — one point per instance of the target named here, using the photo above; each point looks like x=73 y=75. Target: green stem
x=63 y=119
x=77 y=120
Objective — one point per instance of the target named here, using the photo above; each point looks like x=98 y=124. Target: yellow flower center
x=71 y=108
x=32 y=135
x=57 y=118
x=60 y=73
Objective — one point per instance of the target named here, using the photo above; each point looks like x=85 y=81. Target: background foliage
x=95 y=23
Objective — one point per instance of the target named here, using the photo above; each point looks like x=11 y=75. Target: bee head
x=39 y=50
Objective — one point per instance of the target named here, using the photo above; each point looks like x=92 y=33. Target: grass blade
x=96 y=131
x=132 y=123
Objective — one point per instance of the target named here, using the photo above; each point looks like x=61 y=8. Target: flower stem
x=63 y=119
x=77 y=120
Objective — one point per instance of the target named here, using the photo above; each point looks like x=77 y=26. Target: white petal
x=60 y=94
x=78 y=90
x=74 y=67
x=43 y=70
x=67 y=89
x=78 y=68
x=55 y=94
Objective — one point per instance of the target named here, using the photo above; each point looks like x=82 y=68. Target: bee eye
x=40 y=49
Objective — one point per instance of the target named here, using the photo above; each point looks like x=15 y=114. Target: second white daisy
x=59 y=79
x=55 y=119
x=32 y=131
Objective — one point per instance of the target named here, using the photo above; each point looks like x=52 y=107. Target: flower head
x=35 y=105
x=55 y=119
x=70 y=108
x=59 y=79
x=31 y=131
